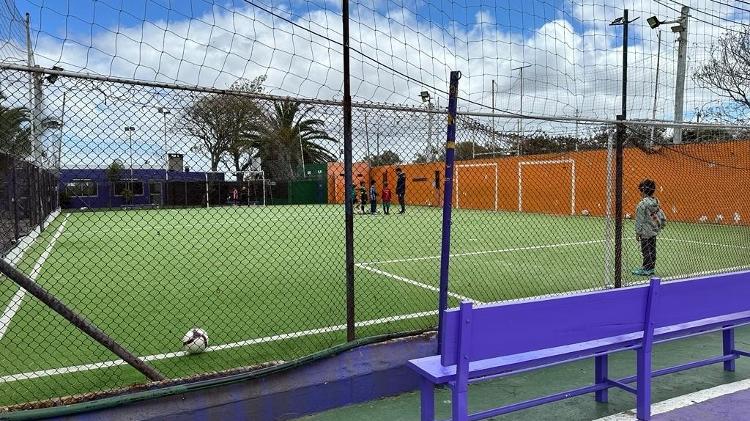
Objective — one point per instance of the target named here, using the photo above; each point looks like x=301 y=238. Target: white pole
x=656 y=88
x=679 y=94
x=493 y=114
x=62 y=125
x=263 y=174
x=36 y=101
x=520 y=119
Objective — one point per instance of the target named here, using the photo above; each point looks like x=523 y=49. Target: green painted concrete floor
x=555 y=379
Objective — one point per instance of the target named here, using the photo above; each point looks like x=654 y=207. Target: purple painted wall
x=104 y=187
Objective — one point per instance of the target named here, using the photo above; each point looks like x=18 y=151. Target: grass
x=147 y=276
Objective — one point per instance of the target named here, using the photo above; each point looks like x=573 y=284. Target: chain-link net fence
x=156 y=204
x=29 y=197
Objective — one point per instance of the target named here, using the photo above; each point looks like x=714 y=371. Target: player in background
x=385 y=195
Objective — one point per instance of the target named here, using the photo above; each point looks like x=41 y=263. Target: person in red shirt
x=386 y=196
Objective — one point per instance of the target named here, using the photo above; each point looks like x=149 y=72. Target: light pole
x=679 y=89
x=129 y=130
x=164 y=111
x=425 y=95
x=619 y=151
x=520 y=120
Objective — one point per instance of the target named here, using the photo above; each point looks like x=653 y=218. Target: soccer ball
x=195 y=341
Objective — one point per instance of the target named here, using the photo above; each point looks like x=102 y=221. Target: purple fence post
x=601 y=369
x=450 y=151
x=643 y=365
x=461 y=387
x=728 y=342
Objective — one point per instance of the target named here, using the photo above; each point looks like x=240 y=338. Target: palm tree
x=288 y=137
x=15 y=130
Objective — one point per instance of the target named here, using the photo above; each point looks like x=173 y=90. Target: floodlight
x=53 y=78
x=618 y=21
x=425 y=96
x=653 y=22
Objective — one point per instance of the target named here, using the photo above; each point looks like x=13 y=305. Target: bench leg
x=728 y=341
x=460 y=403
x=427 y=400
x=643 y=395
x=600 y=376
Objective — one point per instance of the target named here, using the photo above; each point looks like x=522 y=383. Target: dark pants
x=401 y=201
x=648 y=249
x=386 y=207
x=373 y=206
x=362 y=204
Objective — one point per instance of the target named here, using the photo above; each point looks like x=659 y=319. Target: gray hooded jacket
x=649 y=218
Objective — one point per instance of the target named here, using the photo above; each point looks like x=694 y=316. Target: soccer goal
x=555 y=183
x=476 y=186
x=254 y=188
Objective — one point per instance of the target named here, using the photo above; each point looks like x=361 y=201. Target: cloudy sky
x=400 y=47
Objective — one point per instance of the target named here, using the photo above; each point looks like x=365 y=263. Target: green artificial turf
x=243 y=273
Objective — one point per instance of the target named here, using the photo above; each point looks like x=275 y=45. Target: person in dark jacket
x=401 y=189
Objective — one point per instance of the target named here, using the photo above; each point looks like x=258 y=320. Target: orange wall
x=692 y=181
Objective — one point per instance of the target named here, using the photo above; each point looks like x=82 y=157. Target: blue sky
x=575 y=56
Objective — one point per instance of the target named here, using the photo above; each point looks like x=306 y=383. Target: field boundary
x=482 y=252
x=15 y=302
x=283 y=336
x=158 y=357
x=680 y=240
x=684 y=400
x=413 y=282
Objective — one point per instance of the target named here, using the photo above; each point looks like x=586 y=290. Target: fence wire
x=182 y=186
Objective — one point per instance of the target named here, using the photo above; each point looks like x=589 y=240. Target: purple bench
x=497 y=340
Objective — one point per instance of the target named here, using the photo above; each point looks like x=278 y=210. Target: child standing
x=373 y=198
x=386 y=196
x=649 y=220
x=362 y=196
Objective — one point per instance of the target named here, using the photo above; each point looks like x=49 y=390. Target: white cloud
x=575 y=64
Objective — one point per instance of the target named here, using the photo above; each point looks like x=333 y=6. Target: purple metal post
x=728 y=345
x=600 y=376
x=427 y=400
x=459 y=402
x=450 y=151
x=643 y=363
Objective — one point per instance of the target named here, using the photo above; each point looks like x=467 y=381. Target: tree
x=387 y=157
x=227 y=123
x=727 y=70
x=15 y=130
x=114 y=171
x=289 y=135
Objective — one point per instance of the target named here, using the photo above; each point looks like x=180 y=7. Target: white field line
x=684 y=400
x=678 y=240
x=14 y=256
x=157 y=357
x=15 y=302
x=415 y=283
x=479 y=253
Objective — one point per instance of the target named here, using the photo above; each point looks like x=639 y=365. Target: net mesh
x=171 y=165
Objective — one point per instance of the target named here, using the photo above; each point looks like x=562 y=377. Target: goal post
x=253 y=186
x=571 y=162
x=491 y=166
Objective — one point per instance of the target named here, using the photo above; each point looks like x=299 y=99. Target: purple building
x=91 y=188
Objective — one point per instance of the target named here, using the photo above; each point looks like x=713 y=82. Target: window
x=82 y=188
x=135 y=186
